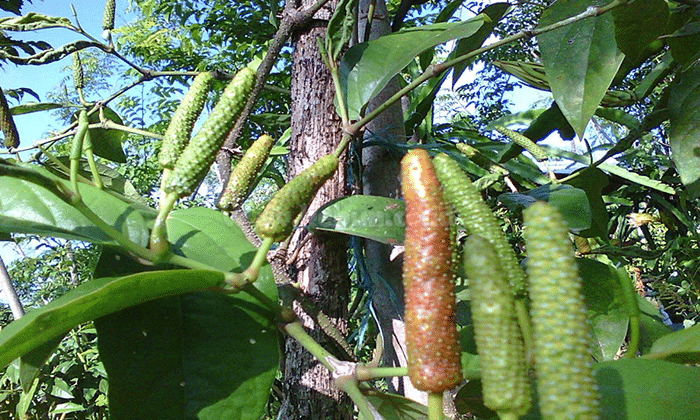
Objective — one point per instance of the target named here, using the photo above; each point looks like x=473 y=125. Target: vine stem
x=251 y=273
x=365 y=373
x=159 y=234
x=435 y=406
x=343 y=372
x=523 y=317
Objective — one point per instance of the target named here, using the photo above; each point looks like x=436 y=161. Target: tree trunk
x=321 y=265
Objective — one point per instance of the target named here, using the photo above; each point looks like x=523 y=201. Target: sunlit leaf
x=366 y=68
x=378 y=218
x=580 y=59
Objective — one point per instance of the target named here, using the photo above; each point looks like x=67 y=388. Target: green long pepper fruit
x=178 y=133
x=499 y=342
x=78 y=76
x=7 y=124
x=108 y=16
x=562 y=347
x=277 y=219
x=193 y=165
x=477 y=217
x=244 y=173
x=536 y=150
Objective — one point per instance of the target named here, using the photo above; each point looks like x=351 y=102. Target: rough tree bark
x=321 y=265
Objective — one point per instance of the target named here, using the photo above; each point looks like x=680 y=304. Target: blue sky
x=43 y=79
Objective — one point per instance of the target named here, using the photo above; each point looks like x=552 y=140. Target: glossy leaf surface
x=580 y=59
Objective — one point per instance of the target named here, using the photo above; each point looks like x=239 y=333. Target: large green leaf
x=27 y=207
x=222 y=348
x=571 y=202
x=580 y=59
x=639 y=389
x=93 y=299
x=495 y=13
x=197 y=356
x=685 y=41
x=378 y=218
x=366 y=68
x=638 y=24
x=605 y=300
x=681 y=346
x=684 y=113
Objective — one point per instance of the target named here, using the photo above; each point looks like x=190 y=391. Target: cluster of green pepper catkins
x=194 y=162
x=434 y=352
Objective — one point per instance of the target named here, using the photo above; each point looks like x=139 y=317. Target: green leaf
x=32 y=362
x=94 y=299
x=340 y=28
x=580 y=59
x=366 y=68
x=208 y=236
x=681 y=346
x=106 y=143
x=470 y=400
x=13 y=6
x=684 y=113
x=61 y=389
x=378 y=218
x=395 y=407
x=29 y=107
x=279 y=151
x=639 y=389
x=111 y=178
x=223 y=348
x=652 y=327
x=525 y=117
x=68 y=407
x=26 y=207
x=615 y=170
x=592 y=181
x=638 y=24
x=203 y=355
x=605 y=304
x=571 y=202
x=685 y=42
x=25 y=400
